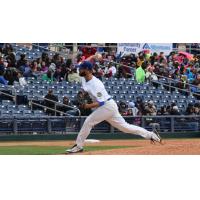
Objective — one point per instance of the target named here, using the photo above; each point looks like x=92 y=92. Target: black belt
x=109 y=99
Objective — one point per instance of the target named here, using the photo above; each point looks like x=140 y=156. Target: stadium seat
x=7 y=102
x=38 y=113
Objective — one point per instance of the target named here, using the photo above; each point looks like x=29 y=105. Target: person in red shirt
x=88 y=51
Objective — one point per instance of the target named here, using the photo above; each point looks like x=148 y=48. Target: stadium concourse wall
x=99 y=136
x=67 y=128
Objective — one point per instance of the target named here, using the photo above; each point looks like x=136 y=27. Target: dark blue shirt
x=3 y=80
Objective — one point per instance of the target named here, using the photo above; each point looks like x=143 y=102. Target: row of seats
x=121 y=90
x=31 y=54
x=21 y=113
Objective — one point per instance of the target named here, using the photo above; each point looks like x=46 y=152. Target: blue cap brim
x=85 y=65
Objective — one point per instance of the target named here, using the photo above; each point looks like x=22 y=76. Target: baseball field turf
x=104 y=147
x=49 y=150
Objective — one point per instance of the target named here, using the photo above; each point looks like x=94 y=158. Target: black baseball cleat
x=75 y=149
x=156 y=137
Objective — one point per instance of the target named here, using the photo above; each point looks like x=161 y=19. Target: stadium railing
x=72 y=124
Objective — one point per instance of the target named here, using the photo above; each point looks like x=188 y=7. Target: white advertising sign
x=128 y=48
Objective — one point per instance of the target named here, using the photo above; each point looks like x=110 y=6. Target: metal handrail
x=56 y=111
x=174 y=80
x=58 y=103
x=9 y=95
x=184 y=90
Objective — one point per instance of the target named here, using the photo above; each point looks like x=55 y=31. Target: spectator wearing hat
x=150 y=109
x=175 y=110
x=134 y=110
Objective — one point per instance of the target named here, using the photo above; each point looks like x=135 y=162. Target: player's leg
x=96 y=117
x=99 y=115
x=119 y=122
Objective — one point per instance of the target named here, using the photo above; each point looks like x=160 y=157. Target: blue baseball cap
x=85 y=65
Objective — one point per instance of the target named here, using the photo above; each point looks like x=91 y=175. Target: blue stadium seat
x=6 y=113
x=27 y=113
x=17 y=113
x=7 y=102
x=22 y=107
x=3 y=107
x=38 y=113
x=12 y=107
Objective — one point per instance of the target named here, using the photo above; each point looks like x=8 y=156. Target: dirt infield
x=132 y=147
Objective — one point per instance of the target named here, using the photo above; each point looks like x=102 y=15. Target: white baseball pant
x=109 y=112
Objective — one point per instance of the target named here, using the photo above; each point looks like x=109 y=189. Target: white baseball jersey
x=95 y=89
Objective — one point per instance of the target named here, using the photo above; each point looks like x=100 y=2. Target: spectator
x=140 y=105
x=88 y=51
x=34 y=66
x=129 y=112
x=58 y=76
x=22 y=61
x=22 y=80
x=50 y=104
x=189 y=74
x=108 y=71
x=52 y=68
x=140 y=75
x=2 y=66
x=163 y=111
x=196 y=110
x=45 y=58
x=44 y=67
x=25 y=68
x=134 y=110
x=168 y=110
x=64 y=108
x=28 y=72
x=98 y=72
x=174 y=110
x=113 y=69
x=2 y=79
x=7 y=48
x=74 y=76
x=150 y=75
x=47 y=77
x=196 y=82
x=190 y=109
x=123 y=108
x=11 y=75
x=126 y=70
x=150 y=109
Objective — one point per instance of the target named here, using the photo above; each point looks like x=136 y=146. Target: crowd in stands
x=140 y=108
x=145 y=66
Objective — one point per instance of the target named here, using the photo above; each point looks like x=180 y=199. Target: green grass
x=48 y=150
